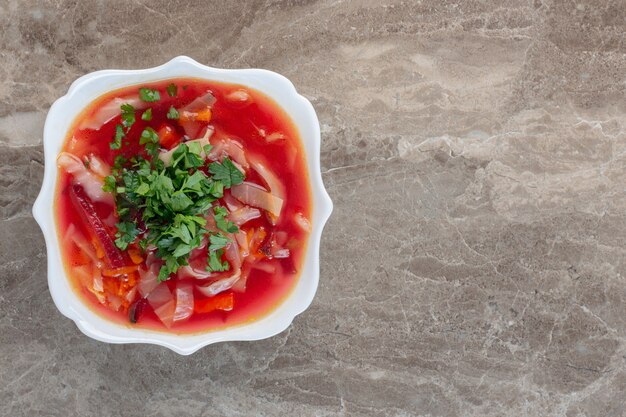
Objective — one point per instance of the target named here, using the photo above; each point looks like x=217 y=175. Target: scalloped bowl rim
x=91 y=86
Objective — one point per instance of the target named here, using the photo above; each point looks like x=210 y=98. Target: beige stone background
x=475 y=261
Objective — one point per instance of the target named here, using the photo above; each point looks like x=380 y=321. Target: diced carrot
x=122 y=270
x=223 y=301
x=204 y=115
x=168 y=137
x=135 y=256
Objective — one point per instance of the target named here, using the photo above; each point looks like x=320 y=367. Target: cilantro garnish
x=220 y=221
x=226 y=172
x=171 y=203
x=117 y=138
x=172 y=89
x=172 y=113
x=150 y=138
x=147 y=115
x=128 y=116
x=149 y=95
x=215 y=263
x=126 y=233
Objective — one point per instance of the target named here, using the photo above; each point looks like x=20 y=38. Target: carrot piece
x=135 y=256
x=204 y=115
x=122 y=270
x=168 y=137
x=223 y=301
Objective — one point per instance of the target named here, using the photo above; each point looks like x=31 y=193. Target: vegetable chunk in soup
x=183 y=205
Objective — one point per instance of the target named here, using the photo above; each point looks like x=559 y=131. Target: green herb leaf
x=172 y=113
x=128 y=115
x=172 y=90
x=215 y=263
x=148 y=136
x=117 y=139
x=147 y=115
x=217 y=241
x=221 y=223
x=109 y=184
x=126 y=234
x=226 y=172
x=149 y=95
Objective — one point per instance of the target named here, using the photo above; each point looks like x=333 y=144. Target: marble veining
x=475 y=261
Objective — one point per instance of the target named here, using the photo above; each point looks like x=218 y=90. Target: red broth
x=251 y=123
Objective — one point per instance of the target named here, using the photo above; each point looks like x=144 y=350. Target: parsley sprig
x=168 y=206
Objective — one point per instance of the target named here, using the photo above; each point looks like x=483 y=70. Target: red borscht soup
x=183 y=205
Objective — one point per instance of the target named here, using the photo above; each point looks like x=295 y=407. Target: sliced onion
x=148 y=279
x=244 y=215
x=239 y=96
x=83 y=273
x=79 y=240
x=273 y=137
x=192 y=128
x=265 y=267
x=281 y=253
x=184 y=301
x=98 y=285
x=281 y=237
x=256 y=196
x=160 y=295
x=189 y=272
x=231 y=148
x=200 y=103
x=151 y=258
x=242 y=241
x=240 y=285
x=302 y=222
x=165 y=312
x=110 y=110
x=231 y=202
x=114 y=301
x=272 y=181
x=232 y=255
x=91 y=183
x=98 y=166
x=220 y=285
x=130 y=295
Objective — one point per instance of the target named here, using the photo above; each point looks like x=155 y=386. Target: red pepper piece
x=85 y=207
x=223 y=301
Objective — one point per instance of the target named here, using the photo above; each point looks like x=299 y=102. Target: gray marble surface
x=475 y=261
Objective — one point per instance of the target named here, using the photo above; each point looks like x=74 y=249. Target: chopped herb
x=117 y=139
x=126 y=234
x=147 y=115
x=172 y=113
x=172 y=90
x=221 y=223
x=226 y=172
x=128 y=116
x=217 y=241
x=109 y=184
x=150 y=138
x=148 y=95
x=215 y=263
x=171 y=203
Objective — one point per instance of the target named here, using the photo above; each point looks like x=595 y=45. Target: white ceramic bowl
x=91 y=86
